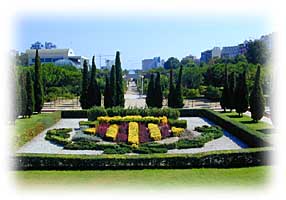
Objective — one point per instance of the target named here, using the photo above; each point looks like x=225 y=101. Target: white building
x=108 y=64
x=216 y=52
x=56 y=55
x=230 y=52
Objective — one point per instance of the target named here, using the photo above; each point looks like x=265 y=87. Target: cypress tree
x=38 y=84
x=158 y=95
x=231 y=92
x=30 y=95
x=84 y=88
x=107 y=94
x=94 y=95
x=150 y=92
x=241 y=95
x=119 y=81
x=256 y=100
x=113 y=90
x=23 y=94
x=224 y=100
x=171 y=90
x=178 y=95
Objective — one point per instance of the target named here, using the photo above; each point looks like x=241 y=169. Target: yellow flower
x=133 y=133
x=112 y=131
x=177 y=131
x=90 y=130
x=155 y=133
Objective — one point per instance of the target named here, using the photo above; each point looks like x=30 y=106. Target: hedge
x=251 y=137
x=214 y=159
x=74 y=113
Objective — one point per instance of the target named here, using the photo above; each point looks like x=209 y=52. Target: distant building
x=268 y=41
x=230 y=52
x=207 y=55
x=39 y=45
x=54 y=55
x=148 y=64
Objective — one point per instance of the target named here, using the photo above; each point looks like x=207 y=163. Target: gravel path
x=40 y=145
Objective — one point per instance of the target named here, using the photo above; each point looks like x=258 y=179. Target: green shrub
x=95 y=112
x=178 y=123
x=213 y=93
x=191 y=93
x=59 y=136
x=89 y=123
x=74 y=114
x=187 y=143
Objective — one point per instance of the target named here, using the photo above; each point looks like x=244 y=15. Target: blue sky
x=138 y=37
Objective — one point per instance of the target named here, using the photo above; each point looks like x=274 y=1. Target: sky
x=138 y=37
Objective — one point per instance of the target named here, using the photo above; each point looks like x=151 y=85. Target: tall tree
x=158 y=95
x=241 y=95
x=113 y=90
x=107 y=94
x=256 y=100
x=84 y=88
x=171 y=90
x=257 y=52
x=30 y=95
x=172 y=63
x=119 y=81
x=93 y=93
x=150 y=92
x=224 y=101
x=231 y=91
x=178 y=94
x=38 y=84
x=23 y=94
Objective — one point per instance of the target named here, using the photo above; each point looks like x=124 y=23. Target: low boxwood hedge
x=214 y=159
x=59 y=136
x=250 y=137
x=74 y=113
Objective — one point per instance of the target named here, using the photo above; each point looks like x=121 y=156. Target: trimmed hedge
x=214 y=159
x=251 y=137
x=74 y=113
x=179 y=123
x=59 y=136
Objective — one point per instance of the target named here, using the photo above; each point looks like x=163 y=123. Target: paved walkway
x=40 y=145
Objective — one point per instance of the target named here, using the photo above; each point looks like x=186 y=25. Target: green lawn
x=149 y=178
x=247 y=121
x=27 y=128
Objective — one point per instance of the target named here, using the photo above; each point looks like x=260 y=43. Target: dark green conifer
x=107 y=94
x=158 y=95
x=84 y=88
x=38 y=84
x=113 y=90
x=256 y=100
x=231 y=92
x=171 y=90
x=93 y=95
x=224 y=100
x=119 y=81
x=150 y=92
x=30 y=95
x=178 y=95
x=241 y=95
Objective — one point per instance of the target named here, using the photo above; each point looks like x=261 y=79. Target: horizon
x=138 y=38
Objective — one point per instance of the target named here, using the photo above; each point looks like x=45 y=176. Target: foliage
x=256 y=100
x=224 y=101
x=107 y=94
x=150 y=98
x=241 y=95
x=38 y=84
x=133 y=133
x=231 y=91
x=91 y=131
x=30 y=95
x=112 y=131
x=113 y=82
x=178 y=123
x=93 y=91
x=213 y=93
x=95 y=112
x=177 y=131
x=178 y=95
x=155 y=133
x=59 y=136
x=84 y=89
x=119 y=82
x=172 y=63
x=171 y=95
x=158 y=95
x=257 y=52
x=190 y=93
x=27 y=129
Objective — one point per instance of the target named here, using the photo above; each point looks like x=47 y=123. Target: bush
x=74 y=114
x=191 y=93
x=89 y=123
x=59 y=136
x=178 y=123
x=213 y=93
x=95 y=112
x=177 y=131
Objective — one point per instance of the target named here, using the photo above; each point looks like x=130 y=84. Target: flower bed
x=155 y=133
x=133 y=133
x=111 y=132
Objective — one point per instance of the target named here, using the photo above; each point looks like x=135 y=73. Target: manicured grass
x=158 y=178
x=28 y=128
x=247 y=121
